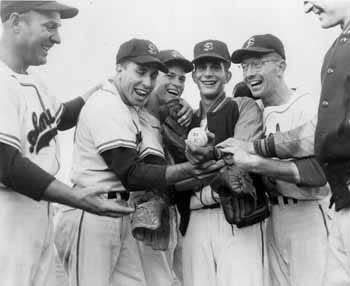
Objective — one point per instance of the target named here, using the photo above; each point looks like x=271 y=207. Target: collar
x=216 y=105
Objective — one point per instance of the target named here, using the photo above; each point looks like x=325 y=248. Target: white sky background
x=90 y=41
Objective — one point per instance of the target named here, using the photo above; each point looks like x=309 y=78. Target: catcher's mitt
x=241 y=203
x=150 y=221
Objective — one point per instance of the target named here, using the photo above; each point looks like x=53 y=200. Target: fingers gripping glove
x=241 y=203
x=150 y=221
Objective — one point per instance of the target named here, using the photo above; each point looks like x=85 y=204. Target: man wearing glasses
x=297 y=231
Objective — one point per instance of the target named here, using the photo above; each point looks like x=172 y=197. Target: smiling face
x=36 y=34
x=330 y=12
x=210 y=75
x=171 y=85
x=135 y=82
x=263 y=74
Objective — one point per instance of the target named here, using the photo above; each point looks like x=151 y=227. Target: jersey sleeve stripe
x=10 y=140
x=116 y=144
x=152 y=151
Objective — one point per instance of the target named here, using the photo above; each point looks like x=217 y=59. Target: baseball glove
x=150 y=221
x=241 y=203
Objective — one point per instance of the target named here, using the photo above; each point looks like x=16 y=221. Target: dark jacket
x=226 y=118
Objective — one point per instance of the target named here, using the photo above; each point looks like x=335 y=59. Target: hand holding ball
x=197 y=137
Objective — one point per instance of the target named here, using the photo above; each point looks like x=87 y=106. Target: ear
x=282 y=67
x=194 y=76
x=228 y=76
x=14 y=22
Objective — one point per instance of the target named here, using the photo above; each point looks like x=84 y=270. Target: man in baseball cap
x=214 y=251
x=174 y=114
x=29 y=121
x=296 y=200
x=20 y=7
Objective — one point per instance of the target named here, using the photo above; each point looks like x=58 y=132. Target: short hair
x=241 y=89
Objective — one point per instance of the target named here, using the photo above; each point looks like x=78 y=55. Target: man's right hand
x=90 y=199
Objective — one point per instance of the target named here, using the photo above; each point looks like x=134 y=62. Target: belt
x=214 y=206
x=114 y=195
x=286 y=200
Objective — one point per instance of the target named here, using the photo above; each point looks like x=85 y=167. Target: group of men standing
x=125 y=162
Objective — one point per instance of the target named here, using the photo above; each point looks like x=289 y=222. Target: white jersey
x=29 y=118
x=106 y=123
x=301 y=108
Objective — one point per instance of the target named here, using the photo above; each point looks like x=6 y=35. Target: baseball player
x=326 y=136
x=164 y=267
x=216 y=252
x=297 y=230
x=127 y=156
x=29 y=121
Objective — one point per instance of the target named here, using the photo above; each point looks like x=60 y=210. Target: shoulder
x=105 y=102
x=247 y=105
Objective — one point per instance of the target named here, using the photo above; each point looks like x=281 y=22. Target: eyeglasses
x=256 y=64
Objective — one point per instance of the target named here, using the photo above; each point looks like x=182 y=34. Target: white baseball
x=197 y=137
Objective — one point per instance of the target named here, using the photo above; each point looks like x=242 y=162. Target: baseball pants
x=338 y=264
x=296 y=237
x=98 y=250
x=216 y=253
x=27 y=255
x=161 y=267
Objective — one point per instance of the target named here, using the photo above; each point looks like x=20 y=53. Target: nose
x=208 y=71
x=148 y=82
x=55 y=38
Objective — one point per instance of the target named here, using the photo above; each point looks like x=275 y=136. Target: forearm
x=179 y=172
x=296 y=143
x=281 y=170
x=70 y=114
x=22 y=175
x=58 y=192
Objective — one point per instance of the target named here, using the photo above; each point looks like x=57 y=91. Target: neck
x=280 y=95
x=10 y=56
x=206 y=103
x=153 y=105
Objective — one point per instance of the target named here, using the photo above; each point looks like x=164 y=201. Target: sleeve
x=9 y=117
x=250 y=123
x=297 y=143
x=310 y=172
x=70 y=113
x=110 y=123
x=134 y=173
x=22 y=175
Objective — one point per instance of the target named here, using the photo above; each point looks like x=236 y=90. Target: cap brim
x=240 y=54
x=65 y=11
x=210 y=55
x=147 y=59
x=187 y=65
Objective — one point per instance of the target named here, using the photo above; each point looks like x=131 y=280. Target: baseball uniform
x=28 y=123
x=296 y=233
x=102 y=251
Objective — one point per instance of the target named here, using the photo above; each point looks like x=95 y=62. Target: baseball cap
x=259 y=45
x=173 y=56
x=211 y=49
x=141 y=52
x=15 y=6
